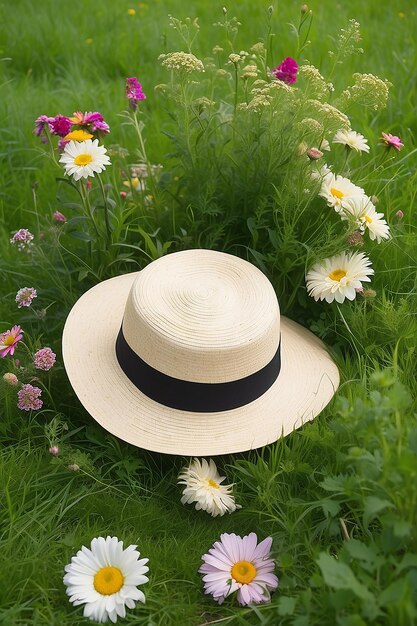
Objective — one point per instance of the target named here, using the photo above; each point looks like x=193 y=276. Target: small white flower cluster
x=181 y=61
x=368 y=91
x=316 y=85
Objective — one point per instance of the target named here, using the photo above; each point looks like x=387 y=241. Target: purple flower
x=25 y=296
x=59 y=217
x=134 y=92
x=239 y=564
x=60 y=125
x=392 y=141
x=286 y=71
x=44 y=359
x=41 y=122
x=92 y=121
x=22 y=239
x=28 y=397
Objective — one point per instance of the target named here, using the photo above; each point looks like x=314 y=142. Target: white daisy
x=337 y=190
x=84 y=158
x=339 y=277
x=203 y=486
x=324 y=145
x=105 y=579
x=366 y=217
x=351 y=139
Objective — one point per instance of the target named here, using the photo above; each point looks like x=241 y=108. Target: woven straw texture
x=200 y=316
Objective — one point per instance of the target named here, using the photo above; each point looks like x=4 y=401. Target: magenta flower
x=25 y=296
x=134 y=92
x=44 y=359
x=239 y=564
x=9 y=341
x=59 y=217
x=392 y=141
x=93 y=122
x=286 y=71
x=28 y=397
x=22 y=239
x=54 y=450
x=60 y=125
x=41 y=122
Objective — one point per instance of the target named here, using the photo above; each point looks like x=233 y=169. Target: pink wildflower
x=29 y=398
x=41 y=122
x=44 y=359
x=314 y=154
x=286 y=71
x=60 y=125
x=88 y=185
x=59 y=217
x=123 y=194
x=23 y=239
x=93 y=122
x=399 y=214
x=10 y=378
x=392 y=141
x=62 y=143
x=9 y=340
x=54 y=450
x=134 y=92
x=239 y=564
x=25 y=296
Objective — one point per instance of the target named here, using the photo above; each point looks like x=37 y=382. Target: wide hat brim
x=307 y=381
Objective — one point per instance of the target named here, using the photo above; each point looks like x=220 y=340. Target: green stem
x=106 y=211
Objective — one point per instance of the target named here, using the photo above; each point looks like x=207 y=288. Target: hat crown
x=203 y=316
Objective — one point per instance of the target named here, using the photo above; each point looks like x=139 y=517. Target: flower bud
x=304 y=9
x=374 y=199
x=123 y=194
x=54 y=450
x=399 y=214
x=355 y=238
x=73 y=467
x=10 y=379
x=369 y=293
x=314 y=154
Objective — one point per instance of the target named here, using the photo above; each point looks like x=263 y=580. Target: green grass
x=355 y=463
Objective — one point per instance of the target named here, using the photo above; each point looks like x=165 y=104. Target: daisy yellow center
x=78 y=135
x=336 y=192
x=83 y=159
x=367 y=219
x=108 y=580
x=213 y=483
x=9 y=340
x=337 y=274
x=243 y=572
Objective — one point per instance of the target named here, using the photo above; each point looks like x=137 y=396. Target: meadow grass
x=344 y=485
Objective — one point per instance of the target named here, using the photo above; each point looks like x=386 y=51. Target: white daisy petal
x=105 y=579
x=338 y=277
x=203 y=486
x=82 y=159
x=351 y=139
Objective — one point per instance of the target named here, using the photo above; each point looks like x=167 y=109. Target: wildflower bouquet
x=249 y=174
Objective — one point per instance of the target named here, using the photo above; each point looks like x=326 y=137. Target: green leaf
x=286 y=605
x=409 y=560
x=79 y=234
x=373 y=506
x=338 y=575
x=395 y=592
x=361 y=552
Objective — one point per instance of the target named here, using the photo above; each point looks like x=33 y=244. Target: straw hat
x=190 y=356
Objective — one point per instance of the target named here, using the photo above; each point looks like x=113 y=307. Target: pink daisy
x=28 y=397
x=286 y=71
x=392 y=141
x=94 y=122
x=41 y=122
x=239 y=564
x=44 y=359
x=9 y=340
